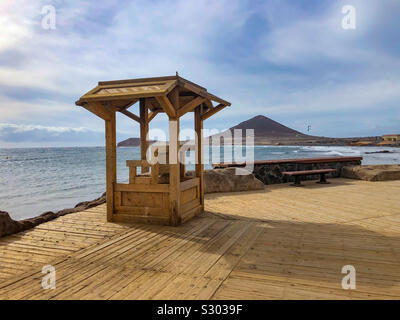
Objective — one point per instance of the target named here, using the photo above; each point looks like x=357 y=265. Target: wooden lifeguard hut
x=145 y=198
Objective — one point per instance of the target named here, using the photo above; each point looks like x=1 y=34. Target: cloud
x=24 y=135
x=17 y=128
x=286 y=59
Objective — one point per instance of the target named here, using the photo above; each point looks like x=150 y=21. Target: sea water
x=35 y=180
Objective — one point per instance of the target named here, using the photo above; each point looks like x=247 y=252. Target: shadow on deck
x=273 y=244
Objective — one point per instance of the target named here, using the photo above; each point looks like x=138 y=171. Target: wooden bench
x=298 y=174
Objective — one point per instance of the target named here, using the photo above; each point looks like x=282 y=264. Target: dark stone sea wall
x=9 y=226
x=270 y=172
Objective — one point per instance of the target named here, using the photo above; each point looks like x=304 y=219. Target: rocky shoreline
x=10 y=226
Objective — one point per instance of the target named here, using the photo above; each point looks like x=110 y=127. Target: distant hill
x=270 y=132
x=131 y=142
x=266 y=127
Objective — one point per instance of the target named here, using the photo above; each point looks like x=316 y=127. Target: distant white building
x=391 y=137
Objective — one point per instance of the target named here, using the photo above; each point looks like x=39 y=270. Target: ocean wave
x=41 y=177
x=332 y=149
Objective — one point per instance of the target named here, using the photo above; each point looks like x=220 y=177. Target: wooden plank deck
x=278 y=243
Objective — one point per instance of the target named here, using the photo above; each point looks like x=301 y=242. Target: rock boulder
x=10 y=226
x=226 y=180
x=372 y=172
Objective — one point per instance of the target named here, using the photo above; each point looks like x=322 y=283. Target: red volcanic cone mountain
x=265 y=127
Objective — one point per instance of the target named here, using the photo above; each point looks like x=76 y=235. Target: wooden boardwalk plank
x=277 y=243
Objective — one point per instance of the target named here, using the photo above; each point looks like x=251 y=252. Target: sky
x=291 y=61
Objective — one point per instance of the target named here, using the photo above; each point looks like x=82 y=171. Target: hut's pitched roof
x=145 y=87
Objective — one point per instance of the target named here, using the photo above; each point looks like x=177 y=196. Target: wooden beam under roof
x=154 y=104
x=128 y=105
x=167 y=106
x=209 y=104
x=130 y=115
x=212 y=111
x=152 y=114
x=98 y=109
x=190 y=106
x=185 y=99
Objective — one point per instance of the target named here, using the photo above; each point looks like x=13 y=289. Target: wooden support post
x=198 y=127
x=174 y=173
x=174 y=98
x=144 y=129
x=111 y=164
